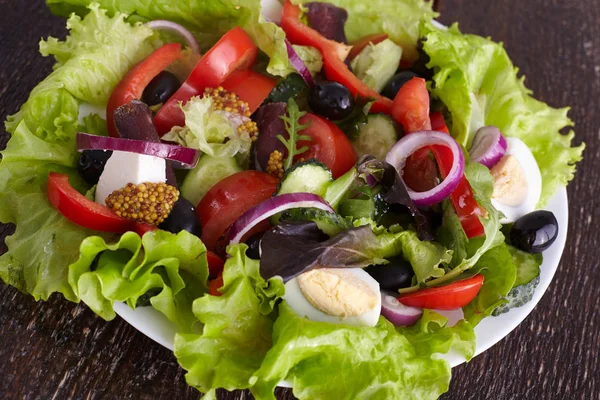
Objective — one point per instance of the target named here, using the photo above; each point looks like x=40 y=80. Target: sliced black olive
x=91 y=164
x=331 y=100
x=182 y=217
x=396 y=275
x=160 y=89
x=534 y=232
x=393 y=86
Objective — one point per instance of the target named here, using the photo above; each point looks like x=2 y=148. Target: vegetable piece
x=534 y=232
x=142 y=229
x=251 y=86
x=207 y=173
x=298 y=64
x=234 y=51
x=376 y=137
x=393 y=86
x=253 y=244
x=160 y=88
x=518 y=296
x=327 y=144
x=450 y=297
x=293 y=127
x=396 y=275
x=398 y=313
x=409 y=144
x=328 y=20
x=377 y=63
x=215 y=264
x=411 y=106
x=182 y=217
x=225 y=202
x=180 y=30
x=360 y=44
x=334 y=54
x=269 y=120
x=309 y=176
x=78 y=209
x=527 y=265
x=337 y=189
x=488 y=147
x=331 y=100
x=292 y=86
x=91 y=164
x=330 y=223
x=215 y=285
x=184 y=156
x=133 y=84
x=273 y=206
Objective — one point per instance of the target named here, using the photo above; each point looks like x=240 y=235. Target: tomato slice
x=450 y=297
x=225 y=202
x=251 y=86
x=215 y=285
x=215 y=264
x=80 y=210
x=334 y=54
x=363 y=42
x=133 y=84
x=411 y=106
x=329 y=145
x=234 y=51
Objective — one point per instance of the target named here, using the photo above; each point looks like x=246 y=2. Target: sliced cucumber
x=306 y=177
x=377 y=136
x=330 y=223
x=205 y=175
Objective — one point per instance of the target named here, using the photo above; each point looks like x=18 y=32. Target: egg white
x=521 y=152
x=296 y=300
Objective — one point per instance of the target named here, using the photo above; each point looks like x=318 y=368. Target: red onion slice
x=183 y=156
x=409 y=144
x=397 y=313
x=273 y=206
x=298 y=64
x=178 y=29
x=488 y=147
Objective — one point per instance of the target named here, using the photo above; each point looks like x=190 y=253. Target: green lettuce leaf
x=208 y=21
x=238 y=327
x=377 y=63
x=208 y=130
x=398 y=18
x=476 y=80
x=367 y=363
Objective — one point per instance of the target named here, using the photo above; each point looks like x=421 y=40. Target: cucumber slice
x=306 y=177
x=377 y=136
x=205 y=175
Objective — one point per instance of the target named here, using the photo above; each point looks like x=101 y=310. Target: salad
x=301 y=187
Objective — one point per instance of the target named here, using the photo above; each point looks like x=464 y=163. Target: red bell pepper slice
x=334 y=54
x=411 y=110
x=133 y=84
x=80 y=210
x=234 y=51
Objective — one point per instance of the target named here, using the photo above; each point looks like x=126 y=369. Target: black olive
x=393 y=86
x=254 y=246
x=182 y=217
x=396 y=275
x=331 y=100
x=91 y=164
x=161 y=88
x=534 y=232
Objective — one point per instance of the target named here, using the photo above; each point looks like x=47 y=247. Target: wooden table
x=60 y=350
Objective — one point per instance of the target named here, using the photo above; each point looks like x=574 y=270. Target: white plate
x=489 y=331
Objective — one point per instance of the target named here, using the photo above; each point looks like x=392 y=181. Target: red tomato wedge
x=225 y=202
x=215 y=263
x=450 y=297
x=363 y=42
x=251 y=86
x=234 y=51
x=80 y=210
x=329 y=145
x=411 y=106
x=142 y=229
x=133 y=84
x=334 y=55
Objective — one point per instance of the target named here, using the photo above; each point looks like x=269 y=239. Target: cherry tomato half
x=450 y=297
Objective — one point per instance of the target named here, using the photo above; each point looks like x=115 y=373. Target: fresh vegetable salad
x=300 y=187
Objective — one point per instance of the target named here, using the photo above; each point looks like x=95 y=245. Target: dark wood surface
x=59 y=350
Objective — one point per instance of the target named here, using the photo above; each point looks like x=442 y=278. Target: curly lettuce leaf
x=476 y=80
x=375 y=362
x=207 y=20
x=238 y=327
